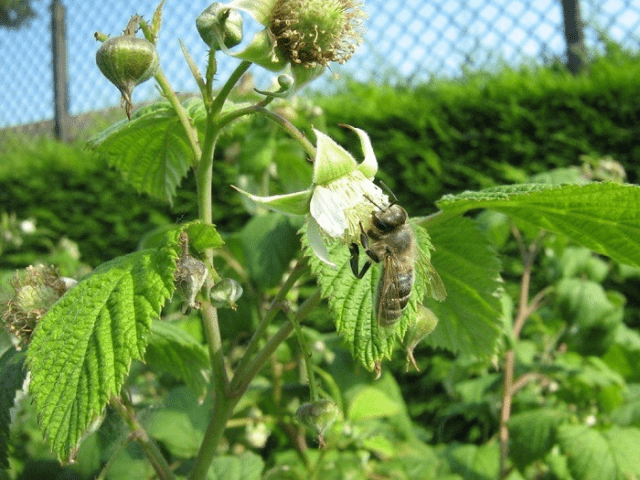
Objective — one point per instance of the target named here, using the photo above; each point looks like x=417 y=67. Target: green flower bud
x=318 y=416
x=225 y=293
x=220 y=23
x=425 y=323
x=285 y=81
x=127 y=61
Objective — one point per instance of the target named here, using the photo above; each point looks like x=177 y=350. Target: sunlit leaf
x=151 y=151
x=83 y=347
x=604 y=217
x=470 y=320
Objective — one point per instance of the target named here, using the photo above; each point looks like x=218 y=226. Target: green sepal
x=296 y=203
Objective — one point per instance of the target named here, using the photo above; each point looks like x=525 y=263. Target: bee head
x=390 y=218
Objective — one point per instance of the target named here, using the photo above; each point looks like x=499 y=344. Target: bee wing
x=388 y=291
x=434 y=286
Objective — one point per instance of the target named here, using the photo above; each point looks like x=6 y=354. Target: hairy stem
x=224 y=92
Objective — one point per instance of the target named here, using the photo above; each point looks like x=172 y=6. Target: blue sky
x=417 y=38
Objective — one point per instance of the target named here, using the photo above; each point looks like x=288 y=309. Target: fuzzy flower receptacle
x=340 y=199
x=306 y=34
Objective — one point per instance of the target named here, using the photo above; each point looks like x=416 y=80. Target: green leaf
x=371 y=402
x=151 y=151
x=270 y=242
x=352 y=301
x=596 y=454
x=247 y=466
x=533 y=433
x=83 y=347
x=202 y=236
x=473 y=462
x=604 y=217
x=180 y=423
x=172 y=350
x=470 y=320
x=12 y=375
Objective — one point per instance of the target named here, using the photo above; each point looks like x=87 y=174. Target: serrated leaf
x=12 y=375
x=151 y=151
x=83 y=347
x=532 y=433
x=470 y=319
x=352 y=301
x=270 y=242
x=604 y=217
x=172 y=350
x=596 y=454
x=247 y=466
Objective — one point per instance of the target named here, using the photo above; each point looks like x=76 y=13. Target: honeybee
x=391 y=240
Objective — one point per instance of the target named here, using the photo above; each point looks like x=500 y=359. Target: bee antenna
x=391 y=194
x=371 y=200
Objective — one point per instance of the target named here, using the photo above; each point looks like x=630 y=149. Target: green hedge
x=72 y=192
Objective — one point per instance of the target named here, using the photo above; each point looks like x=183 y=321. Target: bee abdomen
x=395 y=300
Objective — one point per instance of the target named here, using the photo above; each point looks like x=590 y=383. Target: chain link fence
x=407 y=42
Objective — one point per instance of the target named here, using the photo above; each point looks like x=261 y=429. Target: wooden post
x=60 y=88
x=574 y=35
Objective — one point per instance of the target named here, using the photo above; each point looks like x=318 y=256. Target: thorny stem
x=138 y=433
x=224 y=92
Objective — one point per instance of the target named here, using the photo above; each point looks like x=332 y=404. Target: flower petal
x=292 y=203
x=316 y=242
x=260 y=10
x=332 y=161
x=369 y=165
x=326 y=208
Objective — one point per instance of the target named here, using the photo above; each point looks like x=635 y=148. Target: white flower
x=341 y=199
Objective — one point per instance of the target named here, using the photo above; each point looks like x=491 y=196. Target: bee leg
x=365 y=243
x=355 y=257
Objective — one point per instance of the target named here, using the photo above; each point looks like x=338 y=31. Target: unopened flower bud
x=318 y=415
x=127 y=61
x=425 y=323
x=285 y=81
x=190 y=277
x=225 y=293
x=219 y=24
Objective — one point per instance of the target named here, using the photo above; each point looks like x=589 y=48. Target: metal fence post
x=59 y=55
x=574 y=35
